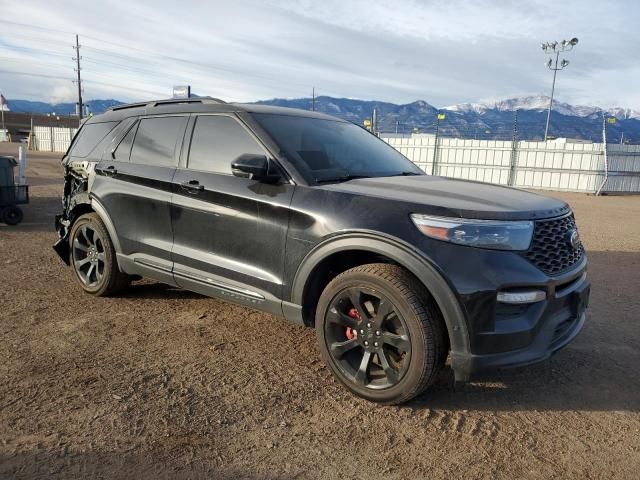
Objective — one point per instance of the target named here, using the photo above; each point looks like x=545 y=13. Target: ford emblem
x=574 y=238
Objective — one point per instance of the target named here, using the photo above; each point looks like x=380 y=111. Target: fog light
x=531 y=296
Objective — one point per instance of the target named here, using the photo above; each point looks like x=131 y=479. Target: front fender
x=405 y=255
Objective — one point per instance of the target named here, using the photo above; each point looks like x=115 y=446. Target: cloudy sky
x=444 y=51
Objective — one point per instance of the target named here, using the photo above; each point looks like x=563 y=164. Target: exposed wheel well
x=77 y=210
x=334 y=265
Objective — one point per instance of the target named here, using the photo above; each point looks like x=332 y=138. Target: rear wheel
x=12 y=215
x=380 y=333
x=93 y=257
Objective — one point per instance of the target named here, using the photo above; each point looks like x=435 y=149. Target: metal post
x=514 y=150
x=51 y=139
x=313 y=99
x=553 y=87
x=4 y=132
x=22 y=165
x=606 y=160
x=434 y=170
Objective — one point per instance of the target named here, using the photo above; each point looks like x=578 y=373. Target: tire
x=12 y=215
x=380 y=316
x=93 y=257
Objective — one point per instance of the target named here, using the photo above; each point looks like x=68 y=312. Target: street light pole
x=556 y=48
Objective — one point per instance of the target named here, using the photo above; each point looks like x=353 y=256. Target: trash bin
x=11 y=195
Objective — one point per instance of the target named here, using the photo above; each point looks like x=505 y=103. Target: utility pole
x=374 y=123
x=313 y=99
x=77 y=59
x=556 y=48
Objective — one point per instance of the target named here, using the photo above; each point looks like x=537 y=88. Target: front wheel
x=93 y=257
x=380 y=333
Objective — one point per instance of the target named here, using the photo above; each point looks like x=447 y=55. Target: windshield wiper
x=342 y=178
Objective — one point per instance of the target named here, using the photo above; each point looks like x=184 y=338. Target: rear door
x=133 y=184
x=229 y=232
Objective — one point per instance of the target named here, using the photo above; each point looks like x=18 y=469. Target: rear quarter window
x=89 y=138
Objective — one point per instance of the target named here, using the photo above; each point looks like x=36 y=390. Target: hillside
x=466 y=120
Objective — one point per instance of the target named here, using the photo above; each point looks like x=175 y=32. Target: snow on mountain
x=541 y=103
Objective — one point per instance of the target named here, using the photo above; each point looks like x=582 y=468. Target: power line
x=203 y=66
x=68 y=78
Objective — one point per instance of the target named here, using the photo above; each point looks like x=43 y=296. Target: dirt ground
x=162 y=383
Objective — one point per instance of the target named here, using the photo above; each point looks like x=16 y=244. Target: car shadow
x=146 y=289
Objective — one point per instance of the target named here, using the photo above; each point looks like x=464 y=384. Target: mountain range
x=496 y=120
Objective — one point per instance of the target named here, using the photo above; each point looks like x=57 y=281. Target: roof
x=197 y=105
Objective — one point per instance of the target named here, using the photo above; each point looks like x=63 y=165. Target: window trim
x=179 y=138
x=121 y=138
x=82 y=131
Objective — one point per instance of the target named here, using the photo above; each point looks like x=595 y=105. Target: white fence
x=52 y=139
x=575 y=167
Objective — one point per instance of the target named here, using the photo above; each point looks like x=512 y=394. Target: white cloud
x=442 y=51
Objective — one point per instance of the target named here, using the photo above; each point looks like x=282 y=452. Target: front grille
x=551 y=249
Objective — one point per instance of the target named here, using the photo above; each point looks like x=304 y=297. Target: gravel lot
x=162 y=383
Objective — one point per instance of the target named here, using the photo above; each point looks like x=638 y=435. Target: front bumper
x=531 y=335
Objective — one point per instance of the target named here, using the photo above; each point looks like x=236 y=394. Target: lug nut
x=362 y=332
x=368 y=325
x=378 y=333
x=375 y=344
x=366 y=344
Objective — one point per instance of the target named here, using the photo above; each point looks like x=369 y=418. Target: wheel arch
x=99 y=209
x=376 y=246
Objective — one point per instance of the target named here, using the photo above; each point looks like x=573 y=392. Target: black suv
x=315 y=219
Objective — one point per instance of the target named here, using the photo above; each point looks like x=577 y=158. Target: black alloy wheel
x=93 y=257
x=88 y=256
x=367 y=338
x=381 y=333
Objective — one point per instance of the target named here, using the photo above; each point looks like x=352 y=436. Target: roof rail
x=170 y=101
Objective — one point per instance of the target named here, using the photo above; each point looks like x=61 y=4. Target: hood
x=457 y=198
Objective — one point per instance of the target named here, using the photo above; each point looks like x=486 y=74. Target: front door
x=229 y=232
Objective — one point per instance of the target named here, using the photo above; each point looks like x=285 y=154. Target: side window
x=123 y=150
x=155 y=141
x=217 y=140
x=89 y=137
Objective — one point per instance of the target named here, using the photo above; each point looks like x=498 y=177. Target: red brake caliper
x=351 y=333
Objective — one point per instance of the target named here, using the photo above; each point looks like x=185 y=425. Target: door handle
x=192 y=186
x=110 y=170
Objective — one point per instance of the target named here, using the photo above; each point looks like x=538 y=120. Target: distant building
x=19 y=124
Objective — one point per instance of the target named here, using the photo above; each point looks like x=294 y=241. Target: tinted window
x=156 y=140
x=217 y=141
x=324 y=150
x=89 y=137
x=123 y=150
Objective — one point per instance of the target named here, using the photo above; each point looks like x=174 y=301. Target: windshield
x=333 y=151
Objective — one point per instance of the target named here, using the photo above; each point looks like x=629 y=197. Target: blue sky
x=444 y=52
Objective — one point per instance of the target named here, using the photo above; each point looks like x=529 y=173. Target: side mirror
x=249 y=165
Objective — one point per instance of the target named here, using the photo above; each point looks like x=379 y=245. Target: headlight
x=499 y=235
